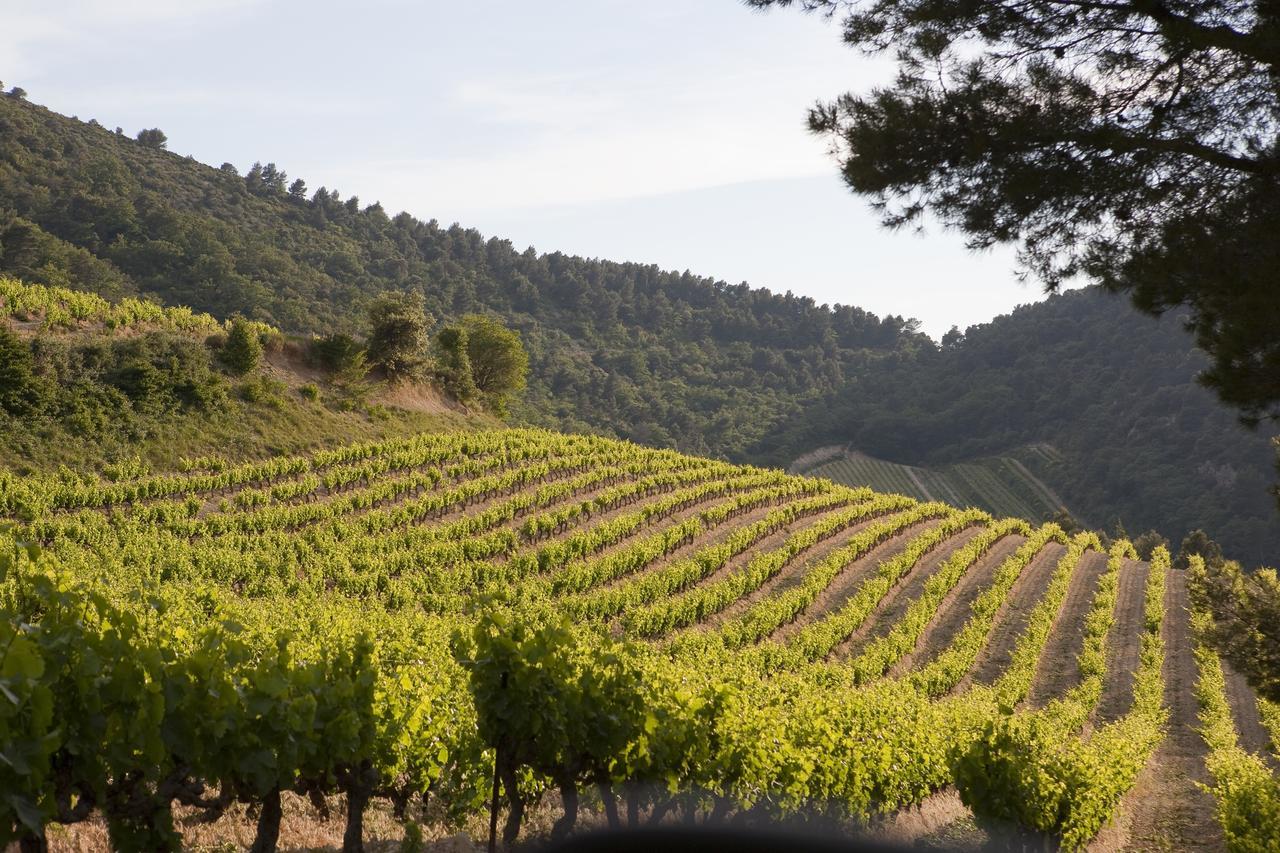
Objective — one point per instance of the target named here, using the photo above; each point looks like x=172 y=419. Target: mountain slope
x=1113 y=391
x=998 y=484
x=89 y=385
x=661 y=357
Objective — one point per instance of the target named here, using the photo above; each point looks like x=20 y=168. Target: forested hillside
x=663 y=358
x=660 y=357
x=1113 y=391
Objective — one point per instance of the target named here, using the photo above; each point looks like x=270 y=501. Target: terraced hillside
x=999 y=484
x=389 y=628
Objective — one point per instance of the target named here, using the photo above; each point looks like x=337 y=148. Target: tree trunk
x=633 y=805
x=610 y=804
x=689 y=810
x=511 y=785
x=357 y=799
x=569 y=796
x=493 y=805
x=660 y=811
x=721 y=810
x=268 y=824
x=29 y=844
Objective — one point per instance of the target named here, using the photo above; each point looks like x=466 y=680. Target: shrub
x=336 y=353
x=21 y=391
x=398 y=325
x=243 y=350
x=261 y=389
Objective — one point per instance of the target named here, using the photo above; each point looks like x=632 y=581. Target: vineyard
x=1003 y=485
x=576 y=630
x=61 y=309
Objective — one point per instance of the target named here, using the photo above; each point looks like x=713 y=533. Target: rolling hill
x=1000 y=484
x=691 y=636
x=663 y=358
x=1138 y=442
x=88 y=384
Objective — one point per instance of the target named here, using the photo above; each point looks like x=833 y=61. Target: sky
x=669 y=132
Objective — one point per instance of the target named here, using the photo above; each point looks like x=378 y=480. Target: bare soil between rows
x=1013 y=616
x=1059 y=670
x=1124 y=643
x=956 y=607
x=1166 y=810
x=894 y=605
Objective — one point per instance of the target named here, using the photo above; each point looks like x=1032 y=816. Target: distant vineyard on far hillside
x=1002 y=485
x=405 y=629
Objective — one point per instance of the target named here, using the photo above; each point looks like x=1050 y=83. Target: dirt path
x=1124 y=643
x=656 y=523
x=1013 y=616
x=735 y=563
x=791 y=575
x=853 y=575
x=956 y=607
x=1165 y=810
x=1244 y=709
x=895 y=604
x=710 y=536
x=769 y=543
x=1058 y=670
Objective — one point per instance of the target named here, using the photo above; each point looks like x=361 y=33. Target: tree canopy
x=243 y=350
x=1130 y=141
x=153 y=138
x=398 y=327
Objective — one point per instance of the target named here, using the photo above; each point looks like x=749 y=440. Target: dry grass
x=301 y=828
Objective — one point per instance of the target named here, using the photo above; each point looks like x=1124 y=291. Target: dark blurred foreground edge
x=689 y=839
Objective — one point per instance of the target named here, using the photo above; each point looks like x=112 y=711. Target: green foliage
x=552 y=702
x=21 y=391
x=1034 y=768
x=243 y=350
x=499 y=363
x=347 y=364
x=453 y=363
x=1148 y=542
x=58 y=308
x=334 y=352
x=27 y=733
x=1055 y=131
x=1247 y=794
x=1245 y=625
x=667 y=358
x=263 y=389
x=405 y=617
x=1198 y=544
x=337 y=353
x=153 y=138
x=1137 y=438
x=398 y=335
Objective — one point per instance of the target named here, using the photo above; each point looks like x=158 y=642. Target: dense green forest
x=663 y=358
x=658 y=357
x=1114 y=391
